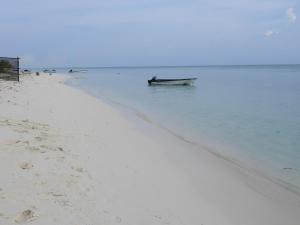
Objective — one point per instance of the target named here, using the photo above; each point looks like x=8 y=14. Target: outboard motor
x=153 y=79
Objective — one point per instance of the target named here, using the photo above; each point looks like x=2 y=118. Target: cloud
x=269 y=33
x=291 y=15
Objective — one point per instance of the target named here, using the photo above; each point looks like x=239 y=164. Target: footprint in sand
x=22 y=131
x=33 y=148
x=60 y=149
x=56 y=194
x=26 y=216
x=26 y=165
x=44 y=146
x=118 y=219
x=38 y=139
x=77 y=169
x=51 y=148
x=60 y=198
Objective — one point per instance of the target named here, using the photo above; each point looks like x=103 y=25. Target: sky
x=66 y=33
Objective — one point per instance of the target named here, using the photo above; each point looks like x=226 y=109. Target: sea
x=250 y=114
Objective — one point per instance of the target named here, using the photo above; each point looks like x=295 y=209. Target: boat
x=49 y=71
x=26 y=71
x=185 y=81
x=77 y=71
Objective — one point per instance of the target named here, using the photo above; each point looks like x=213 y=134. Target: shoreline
x=96 y=166
x=250 y=166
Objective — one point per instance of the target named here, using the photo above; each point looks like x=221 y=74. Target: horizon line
x=166 y=66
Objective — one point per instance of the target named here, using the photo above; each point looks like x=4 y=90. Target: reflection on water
x=169 y=89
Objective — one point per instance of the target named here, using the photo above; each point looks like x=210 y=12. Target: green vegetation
x=5 y=66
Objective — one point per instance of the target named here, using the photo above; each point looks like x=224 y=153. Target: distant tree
x=5 y=66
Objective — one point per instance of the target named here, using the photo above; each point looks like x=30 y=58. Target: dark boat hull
x=188 y=81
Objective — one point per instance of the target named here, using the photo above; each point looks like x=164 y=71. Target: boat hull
x=172 y=82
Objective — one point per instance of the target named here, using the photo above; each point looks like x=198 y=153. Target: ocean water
x=248 y=113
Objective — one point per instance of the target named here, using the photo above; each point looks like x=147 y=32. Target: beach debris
x=26 y=165
x=60 y=149
x=287 y=168
x=26 y=216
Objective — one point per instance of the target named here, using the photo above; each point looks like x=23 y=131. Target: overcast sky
x=150 y=32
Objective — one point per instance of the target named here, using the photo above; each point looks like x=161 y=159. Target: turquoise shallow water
x=248 y=113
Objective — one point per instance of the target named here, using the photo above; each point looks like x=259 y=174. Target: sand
x=68 y=158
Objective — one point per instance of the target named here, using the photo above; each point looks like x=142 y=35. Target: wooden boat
x=186 y=81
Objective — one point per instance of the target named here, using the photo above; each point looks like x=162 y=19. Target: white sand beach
x=67 y=158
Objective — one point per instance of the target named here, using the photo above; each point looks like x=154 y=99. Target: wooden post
x=18 y=67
